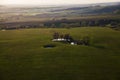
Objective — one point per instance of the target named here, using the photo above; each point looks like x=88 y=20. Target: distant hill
x=24 y=13
x=101 y=8
x=1 y=6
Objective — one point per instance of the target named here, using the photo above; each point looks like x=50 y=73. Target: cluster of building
x=63 y=38
x=66 y=38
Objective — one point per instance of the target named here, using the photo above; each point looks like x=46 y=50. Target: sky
x=52 y=2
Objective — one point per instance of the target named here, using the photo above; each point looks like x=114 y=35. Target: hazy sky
x=50 y=2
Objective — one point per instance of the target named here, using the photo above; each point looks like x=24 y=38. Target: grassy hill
x=23 y=57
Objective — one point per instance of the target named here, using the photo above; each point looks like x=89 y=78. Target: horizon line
x=61 y=4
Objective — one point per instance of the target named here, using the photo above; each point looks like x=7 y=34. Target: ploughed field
x=24 y=57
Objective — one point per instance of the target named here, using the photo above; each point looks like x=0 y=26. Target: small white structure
x=59 y=39
x=63 y=40
x=73 y=43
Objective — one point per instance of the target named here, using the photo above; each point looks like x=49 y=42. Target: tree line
x=64 y=23
x=82 y=23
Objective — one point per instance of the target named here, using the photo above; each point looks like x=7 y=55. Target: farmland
x=89 y=50
x=23 y=57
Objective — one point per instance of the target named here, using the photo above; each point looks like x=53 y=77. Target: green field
x=23 y=57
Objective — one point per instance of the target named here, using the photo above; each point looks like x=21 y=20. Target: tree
x=68 y=38
x=56 y=35
x=61 y=36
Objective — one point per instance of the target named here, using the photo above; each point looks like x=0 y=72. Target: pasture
x=23 y=57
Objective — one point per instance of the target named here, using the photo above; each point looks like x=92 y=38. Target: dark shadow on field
x=99 y=46
x=49 y=46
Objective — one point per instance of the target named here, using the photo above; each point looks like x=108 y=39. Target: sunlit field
x=23 y=57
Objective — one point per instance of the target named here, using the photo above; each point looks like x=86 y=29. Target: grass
x=23 y=57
